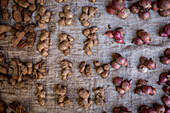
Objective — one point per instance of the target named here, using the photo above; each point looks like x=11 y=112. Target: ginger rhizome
x=65 y=43
x=60 y=1
x=43 y=16
x=17 y=107
x=41 y=94
x=100 y=98
x=43 y=44
x=23 y=35
x=3 y=10
x=26 y=72
x=3 y=30
x=66 y=16
x=85 y=69
x=84 y=101
x=102 y=70
x=91 y=40
x=87 y=13
x=39 y=70
x=61 y=93
x=66 y=69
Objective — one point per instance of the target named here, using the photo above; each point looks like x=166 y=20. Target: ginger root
x=61 y=93
x=43 y=44
x=3 y=4
x=87 y=13
x=60 y=1
x=66 y=69
x=100 y=98
x=43 y=16
x=40 y=2
x=84 y=100
x=91 y=40
x=85 y=69
x=65 y=43
x=41 y=94
x=40 y=69
x=3 y=30
x=103 y=71
x=66 y=16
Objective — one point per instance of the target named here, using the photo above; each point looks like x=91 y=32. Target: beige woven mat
x=102 y=52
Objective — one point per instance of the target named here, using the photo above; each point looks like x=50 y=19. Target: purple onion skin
x=117 y=81
x=163 y=78
x=166 y=100
x=167 y=109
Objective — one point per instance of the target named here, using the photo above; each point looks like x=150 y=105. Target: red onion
x=159 y=108
x=164 y=13
x=118 y=4
x=125 y=86
x=167 y=29
x=125 y=64
x=145 y=36
x=146 y=89
x=155 y=6
x=150 y=64
x=166 y=89
x=109 y=34
x=124 y=13
x=143 y=68
x=141 y=82
x=138 y=91
x=117 y=81
x=115 y=65
x=165 y=60
x=163 y=78
x=119 y=41
x=167 y=109
x=167 y=52
x=117 y=34
x=163 y=34
x=137 y=41
x=122 y=31
x=147 y=42
x=144 y=5
x=166 y=100
x=110 y=10
x=140 y=32
x=124 y=109
x=144 y=15
x=153 y=91
x=134 y=9
x=121 y=60
x=115 y=56
x=164 y=4
x=143 y=60
x=130 y=83
x=120 y=90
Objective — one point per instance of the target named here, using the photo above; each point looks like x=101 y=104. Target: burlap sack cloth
x=102 y=52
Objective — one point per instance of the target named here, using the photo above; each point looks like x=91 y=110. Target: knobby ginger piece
x=43 y=44
x=103 y=70
x=43 y=16
x=61 y=93
x=85 y=69
x=87 y=13
x=66 y=69
x=84 y=101
x=65 y=43
x=41 y=94
x=100 y=98
x=91 y=40
x=66 y=16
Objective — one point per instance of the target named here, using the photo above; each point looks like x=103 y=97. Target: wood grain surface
x=102 y=52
